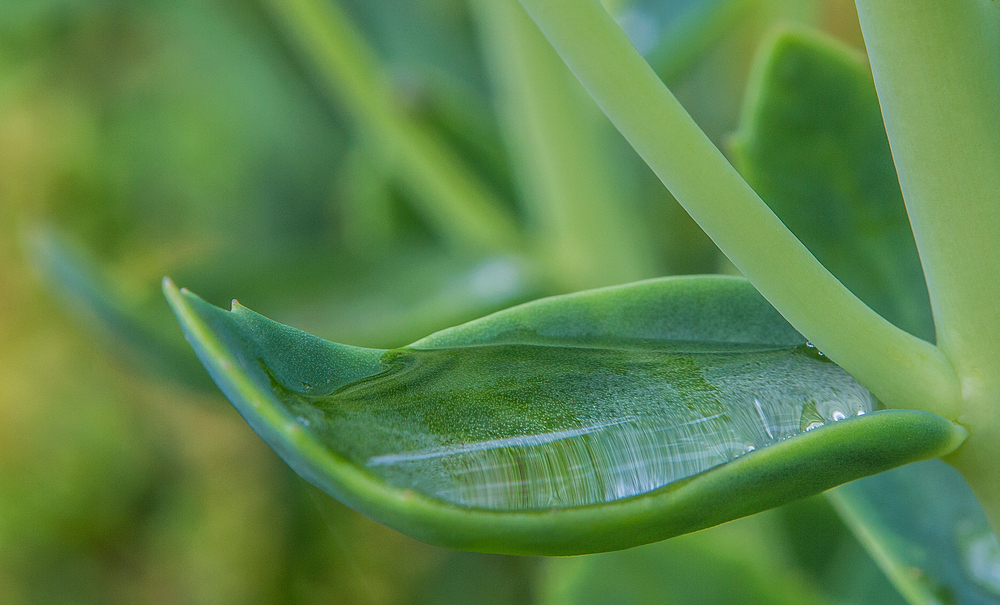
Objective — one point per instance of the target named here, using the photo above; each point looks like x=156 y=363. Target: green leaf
x=829 y=555
x=742 y=562
x=386 y=300
x=127 y=328
x=927 y=531
x=812 y=143
x=582 y=423
x=689 y=35
x=445 y=192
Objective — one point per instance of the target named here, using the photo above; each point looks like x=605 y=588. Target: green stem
x=559 y=142
x=937 y=71
x=446 y=192
x=902 y=370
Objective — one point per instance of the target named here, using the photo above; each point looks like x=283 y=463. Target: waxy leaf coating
x=582 y=423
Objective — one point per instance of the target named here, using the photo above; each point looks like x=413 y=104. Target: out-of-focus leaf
x=142 y=124
x=430 y=50
x=464 y=116
x=927 y=531
x=827 y=553
x=130 y=331
x=559 y=142
x=674 y=35
x=464 y=578
x=740 y=562
x=343 y=558
x=391 y=303
x=368 y=223
x=582 y=423
x=451 y=197
x=811 y=142
x=413 y=37
x=852 y=576
x=387 y=303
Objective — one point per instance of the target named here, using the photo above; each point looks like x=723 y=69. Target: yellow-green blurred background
x=203 y=140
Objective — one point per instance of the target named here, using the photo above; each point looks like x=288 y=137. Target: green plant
x=509 y=434
x=620 y=416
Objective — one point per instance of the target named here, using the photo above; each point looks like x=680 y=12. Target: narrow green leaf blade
x=133 y=332
x=560 y=142
x=927 y=531
x=575 y=424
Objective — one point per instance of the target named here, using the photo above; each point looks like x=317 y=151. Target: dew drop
x=812 y=348
x=811 y=418
x=838 y=416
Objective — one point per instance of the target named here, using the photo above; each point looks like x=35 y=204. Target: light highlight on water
x=524 y=427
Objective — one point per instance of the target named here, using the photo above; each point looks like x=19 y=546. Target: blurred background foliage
x=366 y=170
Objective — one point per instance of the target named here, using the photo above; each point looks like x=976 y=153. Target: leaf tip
x=958 y=436
x=178 y=298
x=170 y=291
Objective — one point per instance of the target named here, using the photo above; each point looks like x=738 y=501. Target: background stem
x=560 y=144
x=449 y=195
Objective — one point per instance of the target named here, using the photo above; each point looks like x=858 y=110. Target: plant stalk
x=902 y=370
x=937 y=71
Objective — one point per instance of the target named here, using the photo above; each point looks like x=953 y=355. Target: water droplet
x=763 y=419
x=814 y=350
x=524 y=427
x=811 y=418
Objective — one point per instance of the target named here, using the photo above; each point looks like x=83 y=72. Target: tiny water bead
x=526 y=427
x=812 y=349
